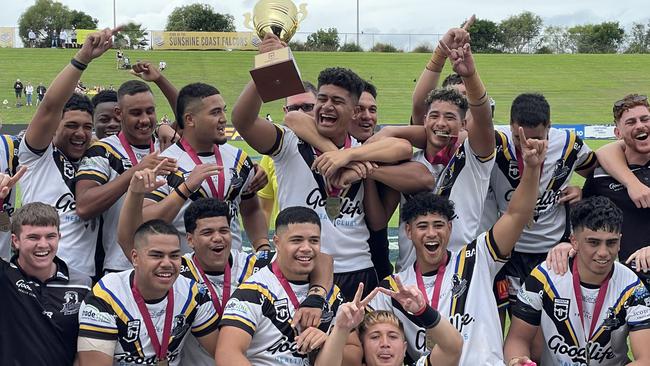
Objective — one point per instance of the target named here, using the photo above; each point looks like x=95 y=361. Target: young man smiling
x=55 y=141
x=41 y=296
x=143 y=315
x=585 y=314
x=259 y=326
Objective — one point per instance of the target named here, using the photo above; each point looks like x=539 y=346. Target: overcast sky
x=384 y=16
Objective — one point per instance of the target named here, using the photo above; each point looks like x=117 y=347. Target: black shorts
x=348 y=282
x=379 y=252
x=518 y=268
x=19 y=94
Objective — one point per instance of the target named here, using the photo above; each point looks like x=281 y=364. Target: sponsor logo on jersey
x=597 y=353
x=132 y=331
x=283 y=345
x=129 y=359
x=561 y=308
x=459 y=286
x=179 y=326
x=611 y=321
x=513 y=170
x=92 y=313
x=561 y=170
x=615 y=187
x=459 y=321
x=348 y=206
x=71 y=304
x=65 y=203
x=236 y=179
x=281 y=309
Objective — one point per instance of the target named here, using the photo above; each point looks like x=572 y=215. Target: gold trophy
x=276 y=74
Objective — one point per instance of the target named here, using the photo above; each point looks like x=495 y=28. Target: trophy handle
x=247 y=21
x=302 y=12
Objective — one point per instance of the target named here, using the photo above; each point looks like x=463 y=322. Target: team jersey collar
x=61 y=273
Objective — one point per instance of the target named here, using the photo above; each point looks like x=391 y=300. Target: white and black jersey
x=50 y=179
x=111 y=313
x=103 y=162
x=466 y=298
x=238 y=173
x=39 y=320
x=262 y=308
x=242 y=265
x=548 y=300
x=8 y=165
x=465 y=182
x=347 y=241
x=566 y=153
x=406 y=256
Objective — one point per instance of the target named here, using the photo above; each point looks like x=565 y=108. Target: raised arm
x=413 y=134
x=409 y=177
x=142 y=182
x=148 y=72
x=480 y=127
x=520 y=209
x=431 y=74
x=255 y=222
x=47 y=118
x=612 y=158
x=259 y=133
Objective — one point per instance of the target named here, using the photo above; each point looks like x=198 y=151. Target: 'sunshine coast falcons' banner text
x=204 y=40
x=7 y=36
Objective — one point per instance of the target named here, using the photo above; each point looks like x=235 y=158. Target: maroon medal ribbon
x=443 y=156
x=129 y=149
x=435 y=297
x=218 y=306
x=600 y=299
x=159 y=347
x=285 y=285
x=216 y=193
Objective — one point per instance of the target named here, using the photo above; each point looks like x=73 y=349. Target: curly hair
x=204 y=208
x=596 y=213
x=79 y=102
x=343 y=78
x=628 y=102
x=425 y=203
x=449 y=95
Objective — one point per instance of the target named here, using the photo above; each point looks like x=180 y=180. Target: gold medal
x=333 y=207
x=164 y=362
x=5 y=221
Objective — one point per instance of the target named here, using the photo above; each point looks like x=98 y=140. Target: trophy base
x=276 y=75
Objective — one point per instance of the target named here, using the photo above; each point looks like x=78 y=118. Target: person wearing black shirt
x=41 y=296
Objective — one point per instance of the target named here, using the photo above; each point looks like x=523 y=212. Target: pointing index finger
x=469 y=22
x=162 y=162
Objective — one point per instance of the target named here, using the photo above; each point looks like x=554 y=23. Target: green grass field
x=580 y=88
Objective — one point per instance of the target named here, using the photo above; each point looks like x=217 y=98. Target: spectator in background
x=29 y=92
x=40 y=93
x=32 y=38
x=54 y=37
x=63 y=38
x=18 y=88
x=162 y=65
x=73 y=38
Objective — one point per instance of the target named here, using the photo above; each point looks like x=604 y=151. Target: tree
x=520 y=31
x=323 y=40
x=132 y=36
x=557 y=40
x=199 y=18
x=486 y=37
x=639 y=39
x=46 y=17
x=597 y=38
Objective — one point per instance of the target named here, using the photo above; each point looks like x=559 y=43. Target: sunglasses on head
x=306 y=107
x=636 y=99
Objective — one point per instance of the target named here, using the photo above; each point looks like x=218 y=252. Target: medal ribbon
x=218 y=306
x=159 y=348
x=285 y=285
x=520 y=164
x=335 y=192
x=129 y=149
x=443 y=156
x=216 y=193
x=435 y=297
x=600 y=299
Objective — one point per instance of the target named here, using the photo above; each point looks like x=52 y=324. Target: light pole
x=357 y=23
x=114 y=19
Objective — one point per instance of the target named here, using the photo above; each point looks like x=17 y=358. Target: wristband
x=428 y=318
x=437 y=61
x=181 y=194
x=317 y=290
x=259 y=249
x=476 y=93
x=313 y=301
x=78 y=64
x=190 y=192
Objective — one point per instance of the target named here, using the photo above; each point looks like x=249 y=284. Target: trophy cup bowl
x=276 y=74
